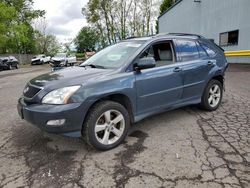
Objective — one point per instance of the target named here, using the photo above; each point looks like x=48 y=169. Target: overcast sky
x=64 y=17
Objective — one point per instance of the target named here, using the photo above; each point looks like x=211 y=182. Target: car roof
x=168 y=35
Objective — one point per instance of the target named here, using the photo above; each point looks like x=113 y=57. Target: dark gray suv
x=123 y=84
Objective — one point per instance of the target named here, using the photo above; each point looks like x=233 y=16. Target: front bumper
x=40 y=114
x=36 y=62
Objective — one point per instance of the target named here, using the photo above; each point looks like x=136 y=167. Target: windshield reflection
x=114 y=56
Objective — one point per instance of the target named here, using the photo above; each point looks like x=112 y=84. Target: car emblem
x=26 y=89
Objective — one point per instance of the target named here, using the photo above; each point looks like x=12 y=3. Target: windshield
x=114 y=56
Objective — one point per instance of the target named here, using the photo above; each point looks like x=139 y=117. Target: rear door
x=195 y=68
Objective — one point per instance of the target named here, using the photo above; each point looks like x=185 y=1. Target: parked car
x=40 y=59
x=8 y=63
x=63 y=59
x=123 y=84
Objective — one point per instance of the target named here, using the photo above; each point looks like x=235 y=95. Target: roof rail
x=132 y=37
x=186 y=34
x=162 y=34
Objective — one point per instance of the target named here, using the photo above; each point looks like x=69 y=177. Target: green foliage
x=157 y=26
x=80 y=55
x=165 y=5
x=46 y=44
x=116 y=20
x=86 y=40
x=16 y=32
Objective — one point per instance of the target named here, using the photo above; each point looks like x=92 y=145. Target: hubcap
x=109 y=127
x=214 y=96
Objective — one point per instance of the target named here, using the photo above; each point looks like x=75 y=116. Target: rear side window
x=210 y=52
x=188 y=50
x=202 y=52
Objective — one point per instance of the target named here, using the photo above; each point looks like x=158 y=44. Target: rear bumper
x=40 y=114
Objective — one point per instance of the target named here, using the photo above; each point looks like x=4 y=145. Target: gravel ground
x=181 y=148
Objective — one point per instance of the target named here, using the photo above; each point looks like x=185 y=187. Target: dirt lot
x=182 y=148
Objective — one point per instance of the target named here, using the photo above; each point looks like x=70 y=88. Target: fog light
x=56 y=122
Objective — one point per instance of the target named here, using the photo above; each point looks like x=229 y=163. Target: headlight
x=60 y=96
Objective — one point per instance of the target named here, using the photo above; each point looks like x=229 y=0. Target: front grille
x=56 y=63
x=30 y=91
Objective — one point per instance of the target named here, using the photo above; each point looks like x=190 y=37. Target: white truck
x=40 y=59
x=63 y=59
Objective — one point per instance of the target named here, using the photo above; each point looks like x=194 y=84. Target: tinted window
x=202 y=52
x=229 y=38
x=209 y=51
x=188 y=50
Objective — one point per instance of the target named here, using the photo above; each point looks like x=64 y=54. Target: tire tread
x=204 y=104
x=93 y=113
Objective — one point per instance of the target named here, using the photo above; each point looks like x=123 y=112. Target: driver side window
x=161 y=52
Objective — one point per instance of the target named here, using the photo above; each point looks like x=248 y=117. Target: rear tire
x=212 y=95
x=106 y=125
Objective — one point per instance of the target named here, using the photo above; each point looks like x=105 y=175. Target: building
x=227 y=22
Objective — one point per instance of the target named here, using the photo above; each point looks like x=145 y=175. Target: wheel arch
x=120 y=98
x=220 y=78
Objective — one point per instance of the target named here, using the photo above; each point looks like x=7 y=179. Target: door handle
x=177 y=69
x=210 y=63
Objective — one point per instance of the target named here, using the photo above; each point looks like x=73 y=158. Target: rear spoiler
x=219 y=47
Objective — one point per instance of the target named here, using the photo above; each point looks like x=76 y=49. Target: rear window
x=209 y=51
x=188 y=50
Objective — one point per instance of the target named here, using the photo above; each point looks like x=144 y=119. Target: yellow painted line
x=237 y=53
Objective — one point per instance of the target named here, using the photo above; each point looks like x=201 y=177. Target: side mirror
x=145 y=63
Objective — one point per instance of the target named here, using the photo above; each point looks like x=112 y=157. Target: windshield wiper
x=94 y=66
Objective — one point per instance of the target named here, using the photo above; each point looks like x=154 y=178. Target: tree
x=7 y=14
x=86 y=40
x=16 y=32
x=163 y=7
x=45 y=43
x=116 y=20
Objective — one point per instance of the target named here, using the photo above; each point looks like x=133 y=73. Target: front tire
x=10 y=67
x=106 y=125
x=212 y=96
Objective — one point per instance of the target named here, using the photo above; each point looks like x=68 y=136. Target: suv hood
x=57 y=59
x=69 y=76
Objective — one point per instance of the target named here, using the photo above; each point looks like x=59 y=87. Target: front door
x=161 y=86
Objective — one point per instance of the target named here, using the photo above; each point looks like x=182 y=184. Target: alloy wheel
x=214 y=95
x=109 y=127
